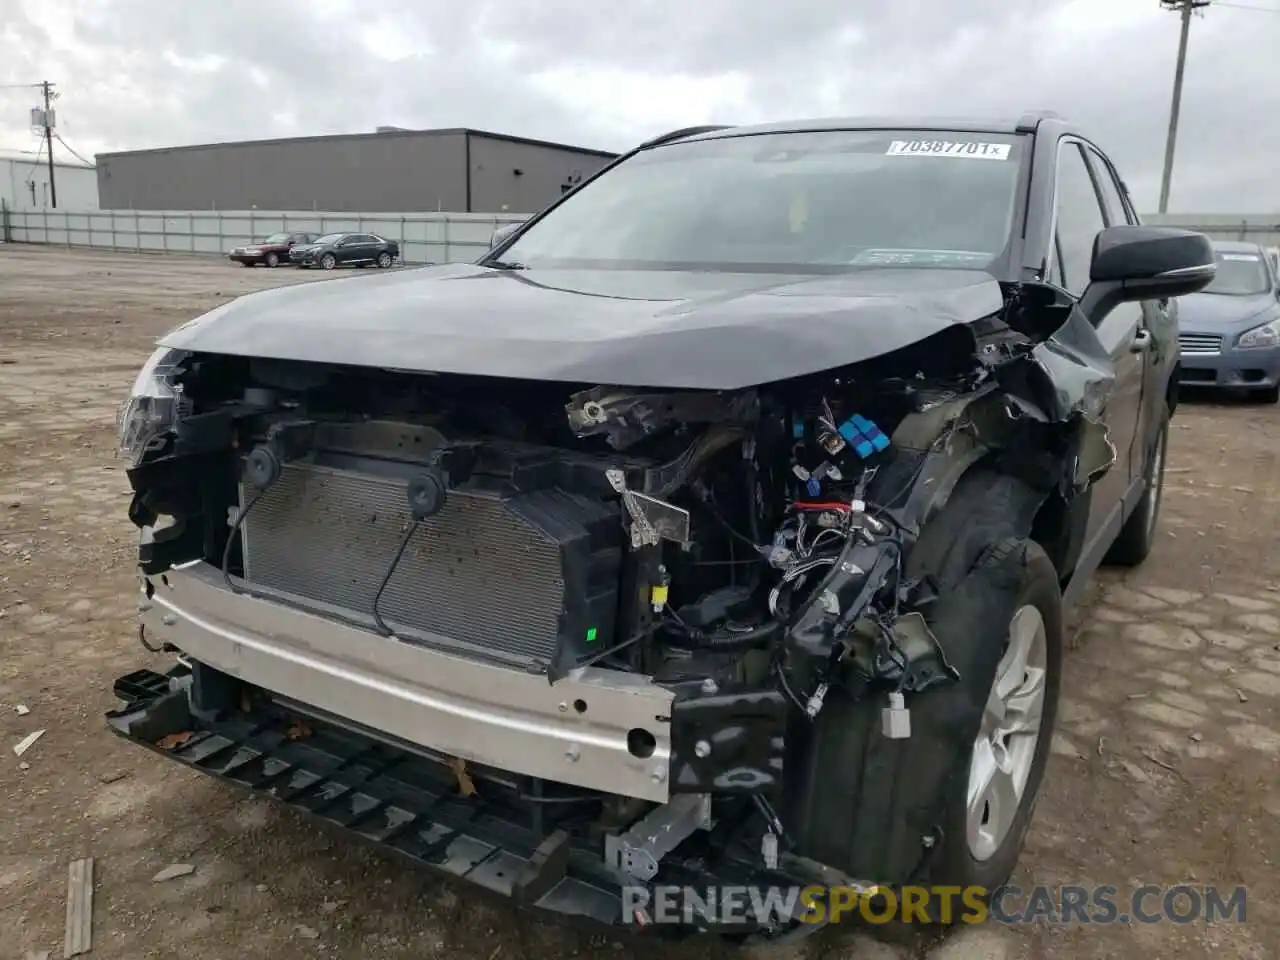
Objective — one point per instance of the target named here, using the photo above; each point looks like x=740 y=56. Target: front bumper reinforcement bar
x=395 y=799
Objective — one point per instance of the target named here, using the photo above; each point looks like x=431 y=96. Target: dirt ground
x=1164 y=770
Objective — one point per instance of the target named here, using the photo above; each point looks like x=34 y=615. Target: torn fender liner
x=399 y=801
x=844 y=767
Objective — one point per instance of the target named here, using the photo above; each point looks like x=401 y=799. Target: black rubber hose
x=724 y=640
x=386 y=578
x=753 y=521
x=231 y=537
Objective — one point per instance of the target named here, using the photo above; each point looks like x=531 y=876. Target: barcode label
x=966 y=149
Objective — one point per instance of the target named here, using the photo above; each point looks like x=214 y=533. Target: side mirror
x=1146 y=263
x=502 y=233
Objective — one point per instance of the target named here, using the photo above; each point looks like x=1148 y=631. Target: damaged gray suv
x=713 y=530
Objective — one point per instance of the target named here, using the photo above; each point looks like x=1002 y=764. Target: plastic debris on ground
x=23 y=745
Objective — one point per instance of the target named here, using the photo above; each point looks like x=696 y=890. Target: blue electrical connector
x=863 y=436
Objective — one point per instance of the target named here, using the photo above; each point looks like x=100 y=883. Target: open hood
x=637 y=328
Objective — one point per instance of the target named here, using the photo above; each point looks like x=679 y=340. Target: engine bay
x=749 y=550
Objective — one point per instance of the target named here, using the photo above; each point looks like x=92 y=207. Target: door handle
x=1141 y=342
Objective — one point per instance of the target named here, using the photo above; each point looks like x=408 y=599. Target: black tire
x=384 y=260
x=894 y=812
x=1138 y=535
x=1268 y=395
x=246 y=263
x=1038 y=589
x=272 y=259
x=953 y=862
x=328 y=261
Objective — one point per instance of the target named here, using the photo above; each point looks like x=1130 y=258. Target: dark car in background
x=1229 y=336
x=270 y=252
x=351 y=249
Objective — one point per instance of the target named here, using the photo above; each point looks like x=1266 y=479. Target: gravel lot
x=1164 y=770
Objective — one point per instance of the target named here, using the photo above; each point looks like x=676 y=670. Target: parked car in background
x=1229 y=334
x=272 y=251
x=354 y=249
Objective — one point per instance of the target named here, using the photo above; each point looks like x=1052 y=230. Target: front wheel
x=384 y=260
x=1268 y=395
x=996 y=772
x=328 y=261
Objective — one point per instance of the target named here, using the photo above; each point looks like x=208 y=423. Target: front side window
x=331 y=238
x=1079 y=217
x=816 y=202
x=1239 y=274
x=277 y=238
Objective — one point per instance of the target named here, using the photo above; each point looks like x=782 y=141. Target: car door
x=1158 y=348
x=369 y=247
x=351 y=248
x=343 y=248
x=1078 y=217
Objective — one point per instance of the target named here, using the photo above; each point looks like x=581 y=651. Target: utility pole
x=1187 y=7
x=48 y=139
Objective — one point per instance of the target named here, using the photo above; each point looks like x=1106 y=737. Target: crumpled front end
x=592 y=623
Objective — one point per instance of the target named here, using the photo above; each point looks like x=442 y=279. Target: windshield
x=793 y=202
x=331 y=238
x=1240 y=275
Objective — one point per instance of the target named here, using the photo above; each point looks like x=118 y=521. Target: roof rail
x=1031 y=119
x=682 y=133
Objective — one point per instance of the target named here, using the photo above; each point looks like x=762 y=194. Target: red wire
x=821 y=505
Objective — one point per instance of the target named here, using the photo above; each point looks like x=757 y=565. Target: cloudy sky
x=147 y=73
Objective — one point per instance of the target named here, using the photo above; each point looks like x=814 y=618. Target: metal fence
x=1254 y=228
x=423 y=237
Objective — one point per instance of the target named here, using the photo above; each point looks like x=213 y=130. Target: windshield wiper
x=505 y=265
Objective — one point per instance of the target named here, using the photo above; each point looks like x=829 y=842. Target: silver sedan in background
x=1229 y=332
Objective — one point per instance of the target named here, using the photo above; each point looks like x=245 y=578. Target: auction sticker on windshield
x=949 y=148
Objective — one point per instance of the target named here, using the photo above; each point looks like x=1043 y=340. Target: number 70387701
x=970 y=149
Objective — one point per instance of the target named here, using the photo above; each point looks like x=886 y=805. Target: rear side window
x=1112 y=200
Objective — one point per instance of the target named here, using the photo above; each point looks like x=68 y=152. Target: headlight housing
x=1266 y=335
x=154 y=405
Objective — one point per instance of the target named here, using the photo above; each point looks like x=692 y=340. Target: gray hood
x=1223 y=313
x=663 y=329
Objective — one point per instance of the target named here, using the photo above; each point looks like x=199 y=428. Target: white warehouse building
x=24 y=182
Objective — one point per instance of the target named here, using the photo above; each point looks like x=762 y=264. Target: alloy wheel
x=1005 y=749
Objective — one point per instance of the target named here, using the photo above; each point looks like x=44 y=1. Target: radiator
x=487 y=572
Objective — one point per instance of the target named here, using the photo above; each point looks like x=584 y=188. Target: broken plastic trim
x=397 y=800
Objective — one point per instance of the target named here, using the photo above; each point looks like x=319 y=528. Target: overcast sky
x=149 y=73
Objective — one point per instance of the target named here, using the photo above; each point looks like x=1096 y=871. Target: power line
x=71 y=150
x=1245 y=6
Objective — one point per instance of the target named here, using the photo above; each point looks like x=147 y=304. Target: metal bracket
x=638 y=852
x=652 y=520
